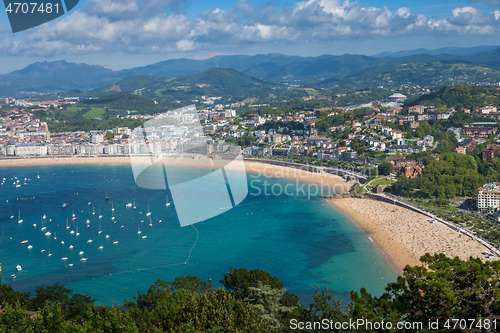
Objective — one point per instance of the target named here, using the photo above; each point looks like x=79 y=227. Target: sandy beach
x=404 y=234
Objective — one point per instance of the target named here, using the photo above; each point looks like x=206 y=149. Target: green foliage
x=462 y=95
x=448 y=289
x=88 y=125
x=266 y=301
x=238 y=280
x=219 y=308
x=9 y=295
x=385 y=168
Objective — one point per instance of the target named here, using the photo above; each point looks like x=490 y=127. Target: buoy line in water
x=161 y=266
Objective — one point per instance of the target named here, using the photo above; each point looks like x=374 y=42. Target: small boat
x=50 y=254
x=90 y=202
x=30 y=247
x=48 y=233
x=19 y=219
x=18 y=185
x=62 y=242
x=13 y=276
x=64 y=258
x=122 y=227
x=138 y=230
x=150 y=223
x=100 y=247
x=44 y=217
x=80 y=253
x=67 y=226
x=50 y=220
x=112 y=217
x=134 y=204
x=55 y=237
x=89 y=241
x=19 y=268
x=88 y=221
x=73 y=219
x=37 y=175
x=100 y=229
x=168 y=203
x=42 y=251
x=24 y=242
x=128 y=205
x=142 y=221
x=88 y=226
x=112 y=208
x=64 y=205
x=70 y=265
x=144 y=237
x=107 y=198
x=71 y=247
x=77 y=233
x=74 y=214
x=115 y=242
x=11 y=215
x=72 y=232
x=148 y=213
x=107 y=236
x=100 y=216
x=83 y=259
x=34 y=225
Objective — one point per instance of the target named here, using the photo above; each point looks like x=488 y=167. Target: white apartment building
x=488 y=196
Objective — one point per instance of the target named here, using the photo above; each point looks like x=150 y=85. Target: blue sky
x=127 y=33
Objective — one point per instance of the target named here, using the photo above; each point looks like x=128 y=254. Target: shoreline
x=404 y=235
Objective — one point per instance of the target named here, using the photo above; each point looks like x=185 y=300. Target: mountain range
x=260 y=70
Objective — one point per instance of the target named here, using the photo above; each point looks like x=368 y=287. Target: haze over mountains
x=324 y=70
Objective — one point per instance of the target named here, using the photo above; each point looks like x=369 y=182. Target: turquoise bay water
x=302 y=242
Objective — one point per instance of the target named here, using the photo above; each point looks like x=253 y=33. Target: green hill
x=464 y=95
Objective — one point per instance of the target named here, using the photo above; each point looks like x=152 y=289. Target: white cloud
x=158 y=26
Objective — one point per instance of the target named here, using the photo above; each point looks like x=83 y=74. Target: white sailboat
x=62 y=242
x=55 y=237
x=112 y=208
x=115 y=242
x=73 y=213
x=93 y=210
x=80 y=253
x=88 y=221
x=134 y=204
x=19 y=220
x=128 y=205
x=100 y=229
x=67 y=226
x=148 y=213
x=77 y=233
x=150 y=223
x=11 y=215
x=168 y=203
x=43 y=228
x=71 y=247
x=50 y=254
x=113 y=216
x=138 y=229
x=48 y=233
x=107 y=236
x=89 y=241
x=100 y=216
x=30 y=247
x=144 y=237
x=37 y=175
x=34 y=225
x=44 y=217
x=100 y=247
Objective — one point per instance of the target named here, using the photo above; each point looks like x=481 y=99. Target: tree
x=239 y=279
x=448 y=289
x=385 y=168
x=218 y=309
x=266 y=301
x=109 y=135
